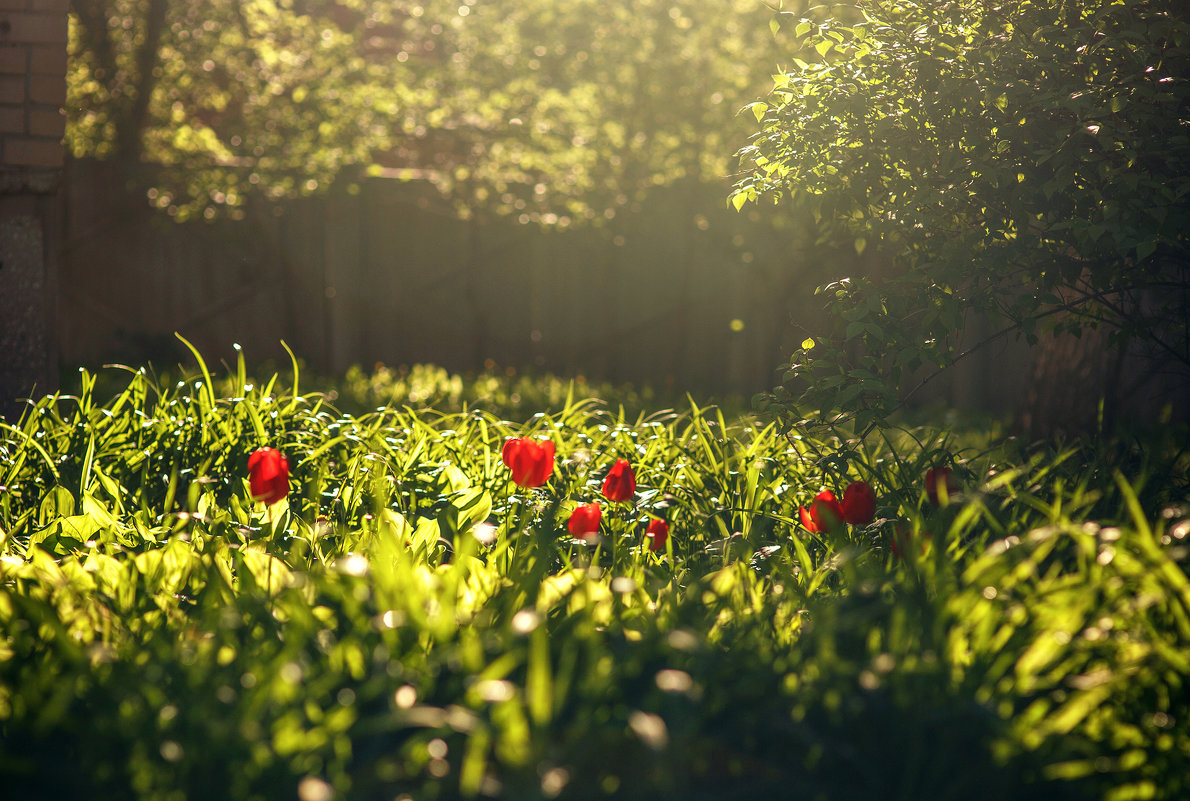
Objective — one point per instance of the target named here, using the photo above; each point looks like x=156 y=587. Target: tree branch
x=1016 y=326
x=131 y=132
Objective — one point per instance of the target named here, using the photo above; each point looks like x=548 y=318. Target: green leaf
x=537 y=681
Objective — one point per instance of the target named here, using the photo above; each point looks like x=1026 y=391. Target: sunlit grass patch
x=409 y=620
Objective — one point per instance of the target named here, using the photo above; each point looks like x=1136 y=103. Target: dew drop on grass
x=485 y=533
x=405 y=697
x=525 y=621
x=673 y=681
x=650 y=728
x=313 y=789
x=553 y=781
x=392 y=619
x=494 y=691
x=353 y=565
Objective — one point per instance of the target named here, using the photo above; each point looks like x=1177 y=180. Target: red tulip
x=825 y=513
x=530 y=461
x=620 y=484
x=268 y=475
x=658 y=533
x=859 y=503
x=584 y=520
x=938 y=480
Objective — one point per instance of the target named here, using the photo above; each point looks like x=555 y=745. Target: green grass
x=163 y=637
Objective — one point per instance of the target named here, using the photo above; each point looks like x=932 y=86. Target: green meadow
x=410 y=623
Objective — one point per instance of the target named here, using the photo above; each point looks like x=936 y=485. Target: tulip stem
x=518 y=527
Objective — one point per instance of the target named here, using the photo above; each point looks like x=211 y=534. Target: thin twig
x=992 y=338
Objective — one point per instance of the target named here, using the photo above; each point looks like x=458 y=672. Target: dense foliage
x=409 y=622
x=523 y=107
x=1022 y=161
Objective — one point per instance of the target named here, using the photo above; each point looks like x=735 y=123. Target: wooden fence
x=685 y=293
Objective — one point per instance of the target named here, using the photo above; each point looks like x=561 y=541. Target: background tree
x=1027 y=160
x=558 y=114
x=525 y=118
x=555 y=115
x=223 y=99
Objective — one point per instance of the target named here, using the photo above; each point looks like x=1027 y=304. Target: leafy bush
x=1022 y=162
x=410 y=622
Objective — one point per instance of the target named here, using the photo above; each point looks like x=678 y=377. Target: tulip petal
x=268 y=475
x=859 y=503
x=620 y=484
x=658 y=533
x=584 y=520
x=531 y=462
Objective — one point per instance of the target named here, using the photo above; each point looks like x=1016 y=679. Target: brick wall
x=32 y=83
x=32 y=92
